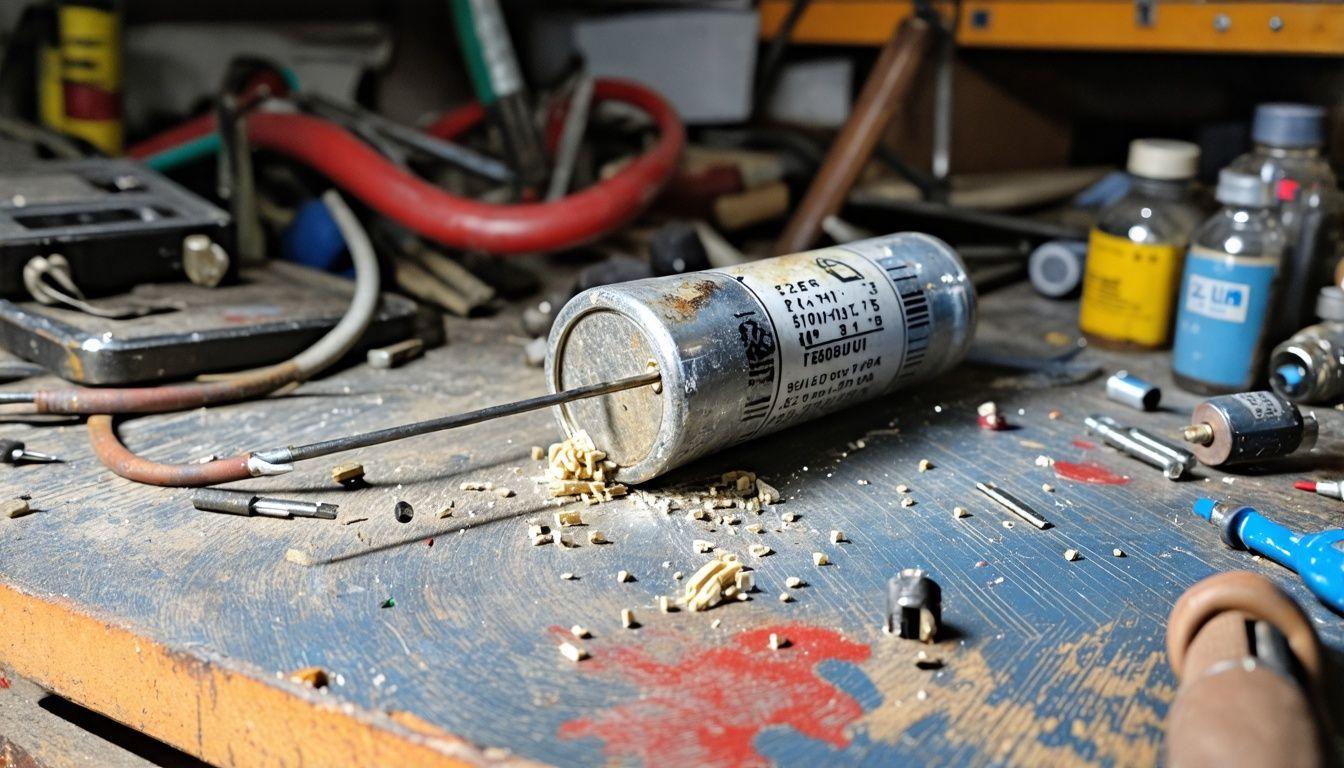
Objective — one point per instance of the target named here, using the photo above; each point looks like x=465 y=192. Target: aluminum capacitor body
x=1248 y=427
x=752 y=349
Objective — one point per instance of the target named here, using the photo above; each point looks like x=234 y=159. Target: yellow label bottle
x=1129 y=290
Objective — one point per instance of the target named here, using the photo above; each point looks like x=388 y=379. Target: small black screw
x=404 y=512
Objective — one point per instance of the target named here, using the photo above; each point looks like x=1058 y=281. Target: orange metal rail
x=1310 y=28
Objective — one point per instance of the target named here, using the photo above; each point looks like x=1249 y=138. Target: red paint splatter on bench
x=1089 y=472
x=706 y=707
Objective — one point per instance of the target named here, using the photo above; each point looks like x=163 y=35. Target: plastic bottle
x=1135 y=252
x=1228 y=289
x=1308 y=368
x=1287 y=155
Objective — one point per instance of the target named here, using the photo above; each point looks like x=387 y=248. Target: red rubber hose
x=468 y=224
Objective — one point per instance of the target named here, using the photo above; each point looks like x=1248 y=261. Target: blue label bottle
x=1228 y=287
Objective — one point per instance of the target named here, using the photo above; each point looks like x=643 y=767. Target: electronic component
x=1248 y=427
x=914 y=605
x=1309 y=366
x=117 y=223
x=1126 y=388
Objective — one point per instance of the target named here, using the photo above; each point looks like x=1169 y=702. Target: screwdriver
x=250 y=504
x=1316 y=557
x=14 y=452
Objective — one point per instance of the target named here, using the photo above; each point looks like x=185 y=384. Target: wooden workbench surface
x=186 y=624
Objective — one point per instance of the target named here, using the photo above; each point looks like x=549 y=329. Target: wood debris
x=863 y=482
x=579 y=631
x=1071 y=555
x=925 y=465
x=567 y=576
x=907 y=502
x=785 y=597
x=960 y=512
x=503 y=493
x=624 y=577
x=628 y=619
x=476 y=485
x=1008 y=523
x=14 y=508
x=756 y=528
x=715 y=623
x=538 y=453
x=767 y=493
x=447 y=509
x=597 y=537
x=298 y=557
x=678 y=575
x=1048 y=488
x=1117 y=552
x=789 y=517
x=745 y=581
x=793 y=582
x=351 y=473
x=820 y=559
x=838 y=537
x=702 y=546
x=577 y=468
x=538 y=539
x=568 y=517
x=572 y=652
x=706 y=587
x=759 y=550
x=562 y=540
x=777 y=641
x=902 y=488
x=665 y=604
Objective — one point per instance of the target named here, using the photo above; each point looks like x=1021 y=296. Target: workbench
x=438 y=637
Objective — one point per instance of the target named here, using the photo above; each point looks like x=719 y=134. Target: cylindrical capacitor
x=1248 y=427
x=1056 y=267
x=751 y=349
x=1309 y=366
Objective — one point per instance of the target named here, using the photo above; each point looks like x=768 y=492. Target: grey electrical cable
x=340 y=339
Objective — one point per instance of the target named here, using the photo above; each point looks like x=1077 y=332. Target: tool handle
x=1234 y=706
x=229 y=502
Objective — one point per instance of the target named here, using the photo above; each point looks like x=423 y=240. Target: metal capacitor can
x=752 y=349
x=1309 y=366
x=1248 y=427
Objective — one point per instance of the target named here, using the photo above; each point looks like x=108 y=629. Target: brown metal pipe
x=884 y=92
x=1229 y=708
x=88 y=401
x=118 y=458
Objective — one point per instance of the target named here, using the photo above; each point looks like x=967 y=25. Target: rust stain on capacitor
x=689 y=298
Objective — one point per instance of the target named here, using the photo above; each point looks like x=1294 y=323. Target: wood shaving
x=1048 y=488
x=567 y=576
x=960 y=512
x=628 y=619
x=902 y=488
x=503 y=493
x=577 y=468
x=347 y=474
x=572 y=652
x=715 y=623
x=665 y=604
x=778 y=641
x=820 y=559
x=597 y=537
x=447 y=509
x=745 y=581
x=702 y=546
x=298 y=557
x=1071 y=555
x=785 y=597
x=538 y=453
x=1117 y=552
x=759 y=550
x=476 y=485
x=624 y=576
x=789 y=517
x=579 y=631
x=705 y=589
x=838 y=537
x=925 y=465
x=538 y=539
x=793 y=582
x=568 y=517
x=756 y=528
x=767 y=493
x=907 y=502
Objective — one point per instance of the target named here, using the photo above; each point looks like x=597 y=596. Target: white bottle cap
x=1163 y=159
